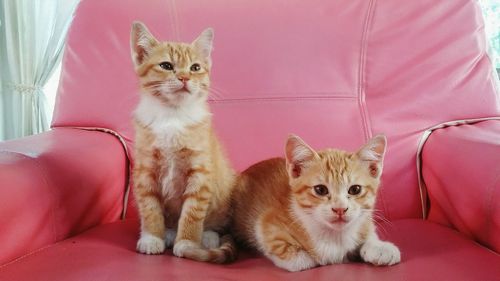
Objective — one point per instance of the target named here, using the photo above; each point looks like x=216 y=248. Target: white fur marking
x=301 y=261
x=170 y=237
x=168 y=122
x=181 y=246
x=330 y=245
x=380 y=252
x=301 y=153
x=150 y=244
x=210 y=239
x=368 y=154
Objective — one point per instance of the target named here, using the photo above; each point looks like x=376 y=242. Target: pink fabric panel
x=55 y=185
x=248 y=65
x=462 y=172
x=334 y=72
x=426 y=63
x=429 y=252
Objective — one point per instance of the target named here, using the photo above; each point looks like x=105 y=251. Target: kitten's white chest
x=168 y=133
x=171 y=134
x=169 y=124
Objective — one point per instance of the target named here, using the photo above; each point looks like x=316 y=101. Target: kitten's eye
x=354 y=189
x=166 y=65
x=195 y=67
x=321 y=190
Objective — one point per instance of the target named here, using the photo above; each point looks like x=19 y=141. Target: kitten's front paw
x=150 y=244
x=298 y=262
x=170 y=237
x=182 y=245
x=380 y=253
x=210 y=239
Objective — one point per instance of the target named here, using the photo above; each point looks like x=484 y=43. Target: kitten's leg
x=281 y=248
x=150 y=212
x=379 y=252
x=194 y=209
x=288 y=257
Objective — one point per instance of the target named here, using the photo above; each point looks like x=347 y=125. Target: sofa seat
x=107 y=252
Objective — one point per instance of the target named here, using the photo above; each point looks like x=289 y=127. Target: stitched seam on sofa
x=127 y=155
x=361 y=69
x=286 y=96
x=46 y=181
x=174 y=22
x=25 y=256
x=361 y=86
x=279 y=99
x=423 y=139
x=219 y=95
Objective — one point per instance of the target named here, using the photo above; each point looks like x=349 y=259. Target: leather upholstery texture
x=429 y=252
x=461 y=169
x=57 y=184
x=335 y=73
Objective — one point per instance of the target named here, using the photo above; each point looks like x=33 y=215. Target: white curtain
x=32 y=36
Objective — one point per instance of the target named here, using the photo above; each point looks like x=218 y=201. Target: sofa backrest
x=333 y=72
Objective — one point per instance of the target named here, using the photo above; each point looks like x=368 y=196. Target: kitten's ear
x=141 y=42
x=204 y=42
x=373 y=153
x=298 y=156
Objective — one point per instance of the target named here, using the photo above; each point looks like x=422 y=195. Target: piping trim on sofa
x=425 y=136
x=127 y=154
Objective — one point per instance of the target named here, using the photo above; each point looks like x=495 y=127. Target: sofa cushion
x=429 y=252
x=460 y=166
x=57 y=184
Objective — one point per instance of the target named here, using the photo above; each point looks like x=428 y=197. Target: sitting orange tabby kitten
x=314 y=208
x=181 y=177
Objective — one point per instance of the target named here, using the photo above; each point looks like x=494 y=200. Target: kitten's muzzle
x=183 y=79
x=340 y=215
x=340 y=211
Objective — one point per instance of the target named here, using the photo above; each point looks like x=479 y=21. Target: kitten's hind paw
x=150 y=244
x=182 y=246
x=210 y=239
x=170 y=235
x=380 y=253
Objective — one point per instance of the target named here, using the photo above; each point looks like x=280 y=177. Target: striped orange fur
x=313 y=208
x=182 y=179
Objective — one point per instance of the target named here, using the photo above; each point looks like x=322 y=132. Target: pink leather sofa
x=333 y=72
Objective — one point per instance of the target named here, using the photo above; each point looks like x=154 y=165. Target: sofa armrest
x=461 y=170
x=56 y=184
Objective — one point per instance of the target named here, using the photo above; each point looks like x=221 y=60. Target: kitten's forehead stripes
x=178 y=53
x=335 y=165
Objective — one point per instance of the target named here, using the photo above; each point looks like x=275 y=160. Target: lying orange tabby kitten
x=181 y=177
x=313 y=208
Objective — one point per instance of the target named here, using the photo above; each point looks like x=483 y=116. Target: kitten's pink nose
x=183 y=78
x=340 y=211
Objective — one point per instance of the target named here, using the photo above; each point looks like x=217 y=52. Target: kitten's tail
x=225 y=253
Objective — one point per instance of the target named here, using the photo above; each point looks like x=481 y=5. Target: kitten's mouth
x=336 y=224
x=182 y=90
x=339 y=221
